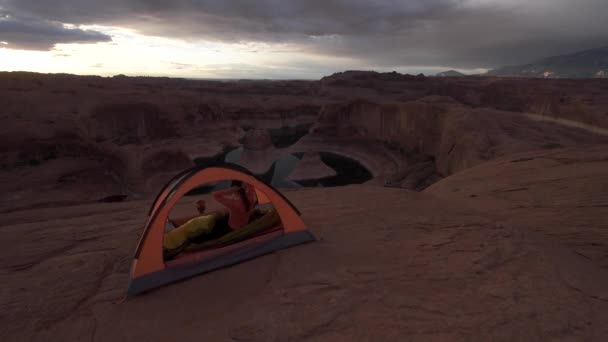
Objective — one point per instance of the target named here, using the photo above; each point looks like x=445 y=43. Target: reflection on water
x=283 y=168
x=234 y=156
x=348 y=171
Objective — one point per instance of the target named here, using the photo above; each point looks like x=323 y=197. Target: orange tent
x=150 y=269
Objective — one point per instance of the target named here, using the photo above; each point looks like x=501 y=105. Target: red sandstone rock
x=397 y=121
x=510 y=245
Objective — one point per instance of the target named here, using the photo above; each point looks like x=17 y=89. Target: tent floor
x=173 y=273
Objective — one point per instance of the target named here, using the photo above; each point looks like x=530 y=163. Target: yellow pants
x=179 y=236
x=269 y=219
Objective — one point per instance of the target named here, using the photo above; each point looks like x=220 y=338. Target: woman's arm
x=200 y=206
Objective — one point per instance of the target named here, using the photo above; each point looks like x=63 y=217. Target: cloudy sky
x=290 y=38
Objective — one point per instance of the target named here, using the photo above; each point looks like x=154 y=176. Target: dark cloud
x=241 y=20
x=455 y=33
x=28 y=33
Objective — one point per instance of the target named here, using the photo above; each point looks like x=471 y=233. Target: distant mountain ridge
x=450 y=73
x=585 y=64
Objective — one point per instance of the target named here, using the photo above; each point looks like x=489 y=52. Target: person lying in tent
x=201 y=207
x=222 y=226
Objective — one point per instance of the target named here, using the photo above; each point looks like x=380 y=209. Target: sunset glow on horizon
x=296 y=40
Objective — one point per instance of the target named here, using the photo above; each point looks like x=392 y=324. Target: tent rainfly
x=151 y=268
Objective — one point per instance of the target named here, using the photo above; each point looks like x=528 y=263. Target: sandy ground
x=440 y=270
x=562 y=193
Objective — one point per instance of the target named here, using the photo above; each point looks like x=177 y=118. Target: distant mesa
x=450 y=73
x=586 y=64
x=345 y=77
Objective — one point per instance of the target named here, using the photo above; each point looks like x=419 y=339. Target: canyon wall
x=455 y=136
x=92 y=137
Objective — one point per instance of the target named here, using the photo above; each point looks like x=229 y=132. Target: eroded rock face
x=288 y=135
x=407 y=130
x=455 y=136
x=257 y=139
x=63 y=180
x=164 y=161
x=580 y=100
x=202 y=118
x=417 y=176
x=130 y=123
x=158 y=168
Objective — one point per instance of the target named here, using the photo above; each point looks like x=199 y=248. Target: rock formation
x=311 y=167
x=504 y=238
x=407 y=130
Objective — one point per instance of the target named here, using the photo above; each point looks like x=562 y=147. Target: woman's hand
x=201 y=206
